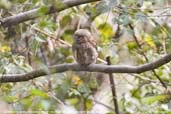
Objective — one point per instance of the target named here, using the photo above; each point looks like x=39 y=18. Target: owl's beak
x=77 y=38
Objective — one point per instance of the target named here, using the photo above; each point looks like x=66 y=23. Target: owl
x=84 y=47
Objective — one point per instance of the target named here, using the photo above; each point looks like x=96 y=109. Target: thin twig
x=98 y=102
x=112 y=85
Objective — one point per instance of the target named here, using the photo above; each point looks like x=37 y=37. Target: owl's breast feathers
x=84 y=47
x=85 y=53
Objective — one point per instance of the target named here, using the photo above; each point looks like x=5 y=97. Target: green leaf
x=10 y=98
x=27 y=102
x=65 y=20
x=35 y=1
x=106 y=31
x=37 y=92
x=89 y=104
x=68 y=34
x=58 y=4
x=131 y=45
x=124 y=20
x=47 y=24
x=73 y=101
x=153 y=99
x=110 y=113
x=43 y=10
x=74 y=92
x=102 y=7
x=84 y=89
x=5 y=4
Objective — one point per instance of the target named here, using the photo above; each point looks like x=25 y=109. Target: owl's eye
x=80 y=36
x=76 y=36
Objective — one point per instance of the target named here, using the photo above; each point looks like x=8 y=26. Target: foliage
x=119 y=23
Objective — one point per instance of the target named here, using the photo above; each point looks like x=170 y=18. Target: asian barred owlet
x=84 y=47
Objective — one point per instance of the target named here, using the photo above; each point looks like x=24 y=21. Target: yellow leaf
x=76 y=79
x=5 y=49
x=149 y=40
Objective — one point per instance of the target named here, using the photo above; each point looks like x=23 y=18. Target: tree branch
x=28 y=15
x=113 y=88
x=91 y=68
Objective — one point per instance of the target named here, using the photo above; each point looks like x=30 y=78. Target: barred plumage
x=84 y=47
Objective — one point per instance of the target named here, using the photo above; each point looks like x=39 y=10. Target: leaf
x=67 y=35
x=76 y=79
x=106 y=31
x=131 y=45
x=64 y=52
x=152 y=99
x=102 y=7
x=47 y=24
x=106 y=5
x=5 y=48
x=149 y=40
x=124 y=20
x=37 y=92
x=27 y=102
x=89 y=104
x=58 y=4
x=43 y=10
x=73 y=101
x=92 y=11
x=74 y=92
x=35 y=1
x=65 y=20
x=84 y=89
x=5 y=4
x=10 y=98
x=110 y=113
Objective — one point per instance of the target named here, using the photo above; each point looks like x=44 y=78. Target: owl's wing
x=92 y=41
x=91 y=54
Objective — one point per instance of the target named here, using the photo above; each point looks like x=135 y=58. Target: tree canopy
x=39 y=74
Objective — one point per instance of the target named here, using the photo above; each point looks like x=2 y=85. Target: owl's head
x=82 y=35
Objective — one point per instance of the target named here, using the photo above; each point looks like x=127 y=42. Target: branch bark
x=32 y=14
x=91 y=68
x=113 y=88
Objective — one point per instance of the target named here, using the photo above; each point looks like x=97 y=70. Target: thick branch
x=28 y=15
x=90 y=68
